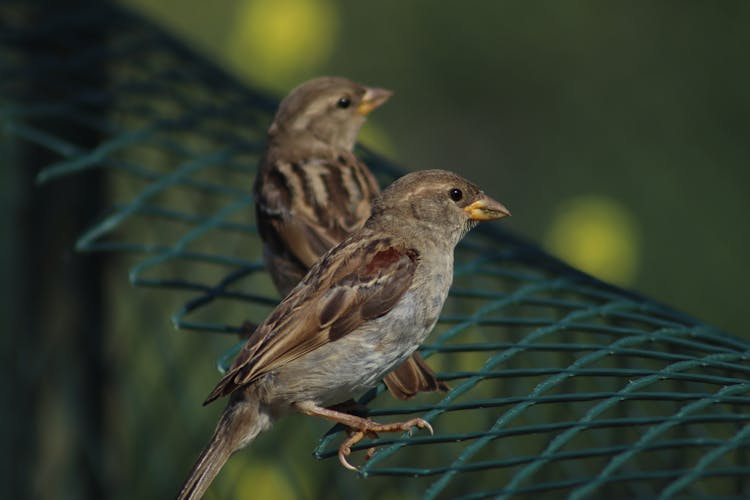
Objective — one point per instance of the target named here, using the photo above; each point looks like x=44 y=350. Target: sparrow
x=361 y=310
x=311 y=191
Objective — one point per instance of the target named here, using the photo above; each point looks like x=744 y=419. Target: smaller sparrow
x=311 y=191
x=361 y=310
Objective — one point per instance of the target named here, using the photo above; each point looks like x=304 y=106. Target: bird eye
x=343 y=103
x=456 y=194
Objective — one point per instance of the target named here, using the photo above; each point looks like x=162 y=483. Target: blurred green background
x=617 y=133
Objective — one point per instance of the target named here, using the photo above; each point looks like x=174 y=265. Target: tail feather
x=206 y=468
x=241 y=422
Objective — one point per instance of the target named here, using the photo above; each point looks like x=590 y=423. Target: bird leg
x=350 y=407
x=359 y=427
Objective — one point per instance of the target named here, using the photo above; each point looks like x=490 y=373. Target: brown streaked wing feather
x=413 y=376
x=364 y=285
x=304 y=240
x=246 y=358
x=307 y=221
x=378 y=283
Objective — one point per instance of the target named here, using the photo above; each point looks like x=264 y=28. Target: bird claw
x=346 y=449
x=419 y=423
x=345 y=462
x=371 y=430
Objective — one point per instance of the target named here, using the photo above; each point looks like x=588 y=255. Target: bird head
x=327 y=109
x=443 y=206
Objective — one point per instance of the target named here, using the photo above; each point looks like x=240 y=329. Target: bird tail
x=208 y=465
x=240 y=423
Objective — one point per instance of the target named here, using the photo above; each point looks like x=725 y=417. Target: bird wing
x=357 y=281
x=306 y=206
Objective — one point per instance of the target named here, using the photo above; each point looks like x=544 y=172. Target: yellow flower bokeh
x=277 y=43
x=598 y=235
x=258 y=479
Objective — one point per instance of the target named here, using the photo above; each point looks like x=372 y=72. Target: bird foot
x=371 y=429
x=358 y=427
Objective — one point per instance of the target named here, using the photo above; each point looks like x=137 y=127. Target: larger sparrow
x=311 y=191
x=361 y=310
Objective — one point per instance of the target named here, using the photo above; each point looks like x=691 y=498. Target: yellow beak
x=487 y=209
x=373 y=98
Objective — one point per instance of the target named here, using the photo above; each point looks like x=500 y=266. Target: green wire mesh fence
x=560 y=384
